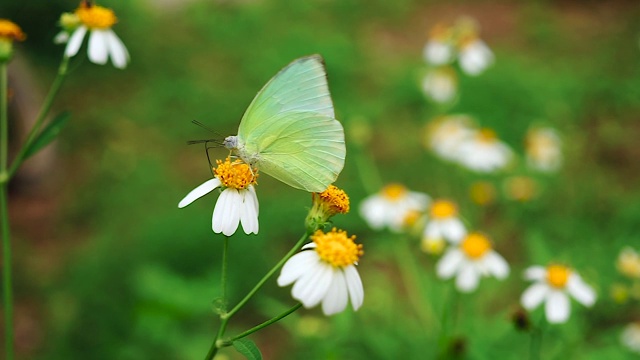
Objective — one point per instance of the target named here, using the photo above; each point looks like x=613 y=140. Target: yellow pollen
x=475 y=245
x=442 y=209
x=487 y=135
x=235 y=175
x=10 y=31
x=440 y=32
x=557 y=275
x=336 y=248
x=394 y=192
x=336 y=199
x=96 y=17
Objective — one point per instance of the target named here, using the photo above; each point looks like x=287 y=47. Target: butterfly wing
x=290 y=129
x=304 y=150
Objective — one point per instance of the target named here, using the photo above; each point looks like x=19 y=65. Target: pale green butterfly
x=289 y=130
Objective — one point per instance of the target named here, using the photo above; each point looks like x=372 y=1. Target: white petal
x=226 y=214
x=248 y=215
x=580 y=291
x=449 y=263
x=496 y=265
x=75 y=41
x=354 y=285
x=98 y=47
x=534 y=295
x=468 y=278
x=373 y=210
x=117 y=50
x=199 y=192
x=296 y=266
x=61 y=38
x=312 y=287
x=453 y=230
x=535 y=273
x=557 y=307
x=252 y=191
x=337 y=296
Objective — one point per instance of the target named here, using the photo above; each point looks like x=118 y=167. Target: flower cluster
x=9 y=32
x=325 y=205
x=392 y=206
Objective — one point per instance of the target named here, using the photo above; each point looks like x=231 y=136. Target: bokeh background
x=107 y=266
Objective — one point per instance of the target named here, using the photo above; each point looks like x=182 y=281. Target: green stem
x=263 y=325
x=217 y=342
x=223 y=280
x=7 y=287
x=536 y=340
x=44 y=110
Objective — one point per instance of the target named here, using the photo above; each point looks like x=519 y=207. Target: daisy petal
x=337 y=297
x=496 y=265
x=75 y=41
x=468 y=278
x=354 y=285
x=454 y=230
x=580 y=291
x=117 y=50
x=298 y=265
x=199 y=192
x=311 y=288
x=534 y=295
x=449 y=263
x=98 y=47
x=557 y=307
x=248 y=215
x=535 y=273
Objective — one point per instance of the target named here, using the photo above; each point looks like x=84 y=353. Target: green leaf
x=248 y=348
x=48 y=134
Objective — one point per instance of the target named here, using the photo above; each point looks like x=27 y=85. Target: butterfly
x=289 y=130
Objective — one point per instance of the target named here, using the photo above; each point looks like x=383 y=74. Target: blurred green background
x=107 y=266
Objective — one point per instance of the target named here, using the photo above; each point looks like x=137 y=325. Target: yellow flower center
x=487 y=135
x=235 y=175
x=442 y=209
x=440 y=32
x=557 y=275
x=336 y=199
x=336 y=248
x=482 y=193
x=628 y=263
x=475 y=245
x=96 y=17
x=10 y=31
x=394 y=192
x=433 y=246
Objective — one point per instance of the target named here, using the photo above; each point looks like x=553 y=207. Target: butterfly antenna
x=196 y=122
x=206 y=150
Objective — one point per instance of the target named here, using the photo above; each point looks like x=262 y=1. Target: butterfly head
x=230 y=142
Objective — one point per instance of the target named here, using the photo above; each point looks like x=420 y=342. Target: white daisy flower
x=474 y=56
x=237 y=204
x=445 y=134
x=483 y=152
x=628 y=263
x=543 y=149
x=443 y=224
x=440 y=85
x=439 y=48
x=325 y=272
x=103 y=42
x=553 y=285
x=630 y=337
x=390 y=207
x=472 y=259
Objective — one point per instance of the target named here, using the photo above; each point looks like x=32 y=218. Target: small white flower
x=471 y=260
x=445 y=135
x=630 y=337
x=238 y=202
x=475 y=56
x=324 y=272
x=390 y=207
x=483 y=152
x=443 y=223
x=553 y=285
x=439 y=48
x=103 y=42
x=440 y=85
x=543 y=149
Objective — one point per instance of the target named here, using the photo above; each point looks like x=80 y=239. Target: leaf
x=48 y=134
x=248 y=348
